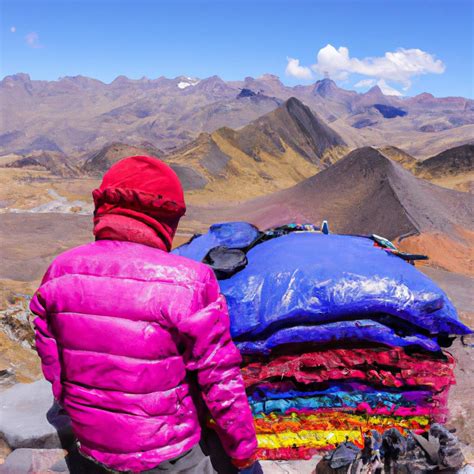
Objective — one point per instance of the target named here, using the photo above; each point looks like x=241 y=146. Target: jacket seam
x=151 y=321
x=115 y=277
x=63 y=348
x=67 y=385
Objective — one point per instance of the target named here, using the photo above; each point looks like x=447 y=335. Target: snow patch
x=188 y=82
x=183 y=85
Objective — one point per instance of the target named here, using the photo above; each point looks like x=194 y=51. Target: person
x=128 y=332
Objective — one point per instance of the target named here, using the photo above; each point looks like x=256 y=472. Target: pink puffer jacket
x=120 y=325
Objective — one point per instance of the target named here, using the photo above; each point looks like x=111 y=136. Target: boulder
x=26 y=461
x=5 y=450
x=30 y=419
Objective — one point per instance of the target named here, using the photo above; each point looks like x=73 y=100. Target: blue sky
x=406 y=47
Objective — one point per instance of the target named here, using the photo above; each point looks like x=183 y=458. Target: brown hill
x=400 y=156
x=97 y=164
x=452 y=162
x=100 y=162
x=273 y=152
x=452 y=168
x=368 y=193
x=56 y=163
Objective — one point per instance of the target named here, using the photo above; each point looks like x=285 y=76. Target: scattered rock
x=15 y=321
x=34 y=461
x=289 y=467
x=25 y=410
x=5 y=450
x=7 y=376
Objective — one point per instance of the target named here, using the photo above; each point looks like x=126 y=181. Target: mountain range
x=75 y=115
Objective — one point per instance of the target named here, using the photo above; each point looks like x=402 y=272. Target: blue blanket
x=311 y=279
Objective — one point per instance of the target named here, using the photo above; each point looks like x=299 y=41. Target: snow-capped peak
x=187 y=81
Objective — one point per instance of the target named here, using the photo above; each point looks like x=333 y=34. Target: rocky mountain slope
x=77 y=114
x=368 y=193
x=275 y=151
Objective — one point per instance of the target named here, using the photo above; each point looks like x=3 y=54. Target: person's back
x=122 y=323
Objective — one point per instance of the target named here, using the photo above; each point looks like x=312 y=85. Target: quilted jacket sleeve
x=46 y=345
x=211 y=353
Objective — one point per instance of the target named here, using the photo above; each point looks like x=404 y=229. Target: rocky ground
x=30 y=443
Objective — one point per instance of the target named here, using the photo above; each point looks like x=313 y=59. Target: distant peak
x=20 y=77
x=294 y=102
x=269 y=78
x=246 y=93
x=183 y=82
x=214 y=78
x=375 y=90
x=120 y=79
x=325 y=87
x=79 y=79
x=296 y=108
x=326 y=81
x=424 y=96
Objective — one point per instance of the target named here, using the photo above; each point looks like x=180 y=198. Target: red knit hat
x=139 y=200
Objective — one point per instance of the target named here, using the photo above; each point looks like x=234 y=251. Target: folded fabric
x=392 y=361
x=349 y=399
x=361 y=331
x=435 y=413
x=311 y=278
x=308 y=439
x=354 y=401
x=293 y=453
x=335 y=421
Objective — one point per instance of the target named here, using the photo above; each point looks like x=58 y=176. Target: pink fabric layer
x=120 y=326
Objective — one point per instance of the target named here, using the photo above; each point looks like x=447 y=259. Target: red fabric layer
x=139 y=200
x=393 y=368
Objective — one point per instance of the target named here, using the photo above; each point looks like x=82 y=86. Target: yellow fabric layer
x=309 y=439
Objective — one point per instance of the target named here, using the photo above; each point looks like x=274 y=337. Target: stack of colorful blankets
x=338 y=336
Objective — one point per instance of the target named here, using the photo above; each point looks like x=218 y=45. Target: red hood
x=139 y=200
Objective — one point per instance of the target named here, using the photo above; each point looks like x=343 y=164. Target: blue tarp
x=306 y=279
x=363 y=331
x=234 y=235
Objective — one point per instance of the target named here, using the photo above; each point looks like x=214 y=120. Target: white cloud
x=294 y=69
x=388 y=90
x=397 y=66
x=12 y=29
x=33 y=41
x=365 y=83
